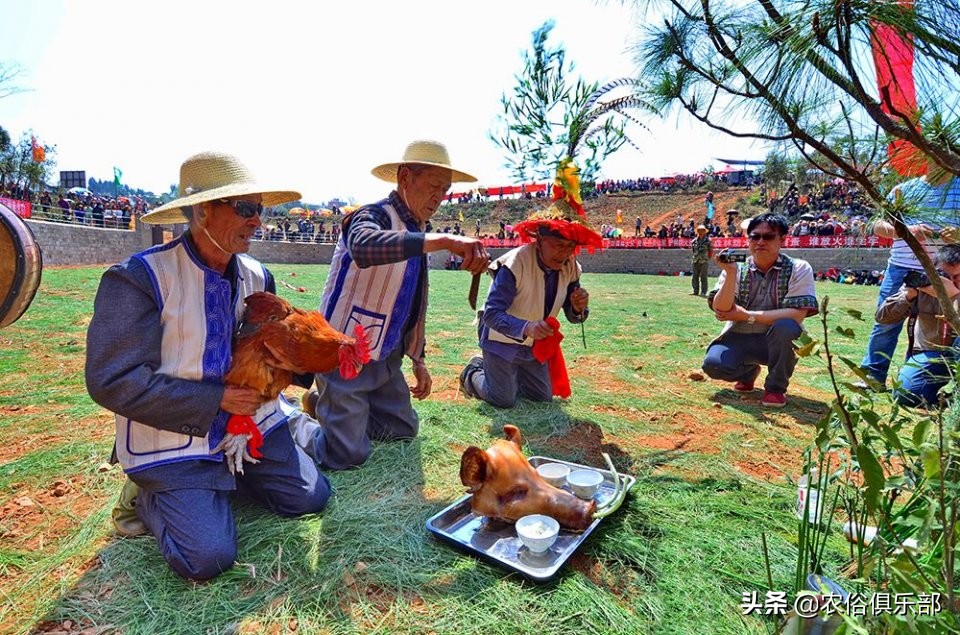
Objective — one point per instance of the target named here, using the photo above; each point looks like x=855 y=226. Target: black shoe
x=466 y=376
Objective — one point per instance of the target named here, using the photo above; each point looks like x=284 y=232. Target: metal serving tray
x=497 y=541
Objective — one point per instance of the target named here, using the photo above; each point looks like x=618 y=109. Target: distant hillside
x=654 y=208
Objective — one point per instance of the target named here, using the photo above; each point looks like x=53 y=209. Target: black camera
x=916 y=279
x=732 y=256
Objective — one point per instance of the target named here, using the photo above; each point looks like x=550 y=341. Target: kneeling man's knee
x=355 y=457
x=203 y=564
x=310 y=501
x=713 y=369
x=502 y=401
x=785 y=329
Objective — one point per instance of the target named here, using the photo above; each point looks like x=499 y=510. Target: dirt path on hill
x=660 y=209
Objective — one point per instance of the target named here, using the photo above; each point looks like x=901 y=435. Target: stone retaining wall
x=78 y=245
x=63 y=244
x=670 y=261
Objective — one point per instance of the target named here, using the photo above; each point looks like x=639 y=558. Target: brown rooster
x=276 y=340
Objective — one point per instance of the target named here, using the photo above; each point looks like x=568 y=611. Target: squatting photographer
x=932 y=343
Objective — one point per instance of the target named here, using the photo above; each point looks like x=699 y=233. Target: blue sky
x=310 y=95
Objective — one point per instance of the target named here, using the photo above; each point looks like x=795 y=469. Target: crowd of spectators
x=681 y=228
x=673 y=183
x=482 y=195
x=830 y=209
x=677 y=182
x=648 y=184
x=80 y=208
x=302 y=230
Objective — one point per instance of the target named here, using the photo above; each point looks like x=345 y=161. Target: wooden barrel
x=20 y=266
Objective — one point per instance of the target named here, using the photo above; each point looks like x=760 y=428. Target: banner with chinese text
x=789 y=242
x=20 y=208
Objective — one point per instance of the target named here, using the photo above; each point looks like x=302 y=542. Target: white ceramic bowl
x=537 y=532
x=554 y=473
x=584 y=483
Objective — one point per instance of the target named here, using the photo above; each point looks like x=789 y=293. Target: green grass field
x=713 y=470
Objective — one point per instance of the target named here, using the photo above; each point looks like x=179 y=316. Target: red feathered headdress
x=565 y=218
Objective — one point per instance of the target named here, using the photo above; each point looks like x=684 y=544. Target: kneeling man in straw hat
x=519 y=331
x=378 y=279
x=158 y=348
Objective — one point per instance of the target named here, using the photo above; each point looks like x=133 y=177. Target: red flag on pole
x=39 y=154
x=893 y=60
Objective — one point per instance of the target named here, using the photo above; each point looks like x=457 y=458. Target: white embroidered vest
x=197 y=318
x=379 y=298
x=531 y=292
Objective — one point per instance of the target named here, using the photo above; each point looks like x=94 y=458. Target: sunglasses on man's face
x=757 y=236
x=244 y=209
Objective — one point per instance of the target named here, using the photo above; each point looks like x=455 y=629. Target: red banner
x=20 y=208
x=789 y=242
x=39 y=154
x=893 y=58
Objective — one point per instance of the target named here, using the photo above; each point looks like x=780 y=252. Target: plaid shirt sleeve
x=801 y=294
x=371 y=240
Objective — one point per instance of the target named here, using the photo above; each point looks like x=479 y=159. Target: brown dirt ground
x=595 y=369
x=37 y=518
x=621 y=581
x=657 y=209
x=703 y=430
x=19 y=442
x=380 y=598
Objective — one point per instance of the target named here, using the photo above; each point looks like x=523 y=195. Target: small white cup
x=804 y=490
x=554 y=473
x=584 y=483
x=537 y=532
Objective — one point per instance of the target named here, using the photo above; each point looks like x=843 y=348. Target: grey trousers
x=737 y=356
x=500 y=383
x=375 y=405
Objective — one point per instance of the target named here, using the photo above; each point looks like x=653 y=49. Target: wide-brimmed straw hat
x=209 y=176
x=429 y=153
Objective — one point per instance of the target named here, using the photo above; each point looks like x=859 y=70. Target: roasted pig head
x=506 y=487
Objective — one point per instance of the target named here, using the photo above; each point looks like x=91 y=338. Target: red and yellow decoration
x=566 y=217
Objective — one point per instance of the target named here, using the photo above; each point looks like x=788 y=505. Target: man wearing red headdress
x=519 y=332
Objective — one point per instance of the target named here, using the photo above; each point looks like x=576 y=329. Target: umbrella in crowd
x=80 y=190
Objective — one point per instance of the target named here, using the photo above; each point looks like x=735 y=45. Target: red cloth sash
x=548 y=350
